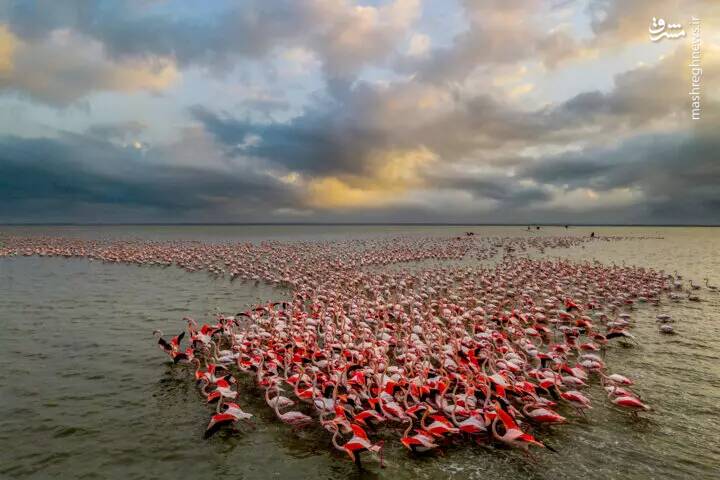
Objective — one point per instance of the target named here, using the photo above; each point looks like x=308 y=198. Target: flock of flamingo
x=429 y=341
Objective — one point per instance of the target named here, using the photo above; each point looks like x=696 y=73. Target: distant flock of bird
x=428 y=341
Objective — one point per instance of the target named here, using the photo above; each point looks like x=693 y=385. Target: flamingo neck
x=335 y=443
x=276 y=406
x=493 y=427
x=409 y=427
x=422 y=420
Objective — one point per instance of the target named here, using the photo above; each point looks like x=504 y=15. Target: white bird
x=667 y=329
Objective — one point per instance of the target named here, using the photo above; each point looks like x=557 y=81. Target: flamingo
x=278 y=400
x=231 y=415
x=540 y=414
x=440 y=426
x=366 y=340
x=630 y=403
x=513 y=436
x=172 y=348
x=358 y=444
x=421 y=442
x=293 y=418
x=368 y=416
x=579 y=401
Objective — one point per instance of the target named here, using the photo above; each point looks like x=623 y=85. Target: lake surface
x=85 y=393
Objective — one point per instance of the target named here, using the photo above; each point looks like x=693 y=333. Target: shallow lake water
x=85 y=393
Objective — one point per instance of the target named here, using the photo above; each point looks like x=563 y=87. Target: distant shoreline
x=352 y=224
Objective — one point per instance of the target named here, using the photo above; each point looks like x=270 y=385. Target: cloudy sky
x=341 y=111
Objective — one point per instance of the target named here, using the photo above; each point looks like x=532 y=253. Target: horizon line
x=428 y=224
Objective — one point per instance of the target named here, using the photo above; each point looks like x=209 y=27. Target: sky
x=437 y=111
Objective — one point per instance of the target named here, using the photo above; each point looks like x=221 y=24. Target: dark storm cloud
x=117 y=131
x=321 y=141
x=638 y=96
x=647 y=160
x=131 y=28
x=509 y=192
x=574 y=170
x=69 y=49
x=65 y=51
x=344 y=37
x=339 y=137
x=78 y=170
x=679 y=174
x=485 y=123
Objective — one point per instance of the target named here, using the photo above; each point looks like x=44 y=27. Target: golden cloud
x=8 y=42
x=394 y=174
x=67 y=66
x=144 y=75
